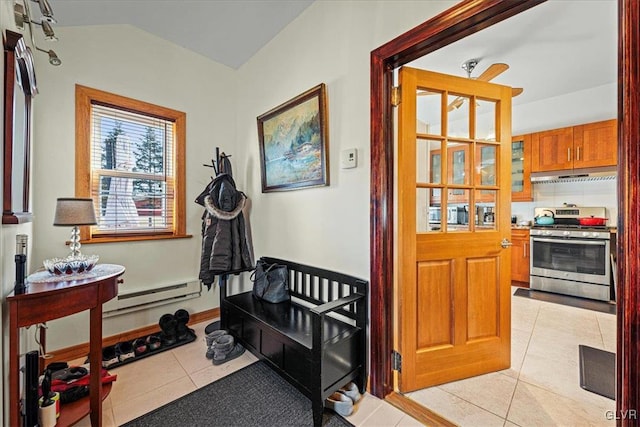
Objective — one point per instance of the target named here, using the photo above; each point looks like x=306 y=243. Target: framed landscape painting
x=293 y=143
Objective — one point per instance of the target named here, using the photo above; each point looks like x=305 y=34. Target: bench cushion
x=289 y=318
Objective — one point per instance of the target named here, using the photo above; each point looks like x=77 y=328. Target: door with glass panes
x=453 y=277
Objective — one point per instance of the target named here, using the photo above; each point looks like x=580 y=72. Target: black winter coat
x=226 y=238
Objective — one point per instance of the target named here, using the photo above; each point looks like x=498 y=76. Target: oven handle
x=572 y=241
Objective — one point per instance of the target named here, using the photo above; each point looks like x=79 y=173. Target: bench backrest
x=318 y=286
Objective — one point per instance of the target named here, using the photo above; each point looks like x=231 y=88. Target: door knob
x=505 y=243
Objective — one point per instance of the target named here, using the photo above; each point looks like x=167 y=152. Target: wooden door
x=553 y=150
x=596 y=144
x=453 y=282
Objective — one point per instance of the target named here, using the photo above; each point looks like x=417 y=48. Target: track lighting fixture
x=53 y=58
x=46 y=11
x=22 y=16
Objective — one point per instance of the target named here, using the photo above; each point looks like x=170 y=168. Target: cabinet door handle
x=524 y=250
x=578 y=153
x=568 y=154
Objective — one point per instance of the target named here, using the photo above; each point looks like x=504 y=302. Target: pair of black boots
x=174 y=327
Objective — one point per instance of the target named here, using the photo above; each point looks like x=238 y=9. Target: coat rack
x=223 y=278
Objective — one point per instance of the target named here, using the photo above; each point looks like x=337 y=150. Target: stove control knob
x=547 y=233
x=585 y=234
x=566 y=233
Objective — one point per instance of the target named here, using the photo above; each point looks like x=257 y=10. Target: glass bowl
x=71 y=265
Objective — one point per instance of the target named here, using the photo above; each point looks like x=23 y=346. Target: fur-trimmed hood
x=224 y=215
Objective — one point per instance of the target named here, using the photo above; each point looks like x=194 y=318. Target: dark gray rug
x=588 y=304
x=253 y=396
x=598 y=371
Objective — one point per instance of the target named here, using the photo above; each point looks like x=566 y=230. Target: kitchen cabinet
x=458 y=172
x=521 y=168
x=575 y=147
x=458 y=164
x=520 y=257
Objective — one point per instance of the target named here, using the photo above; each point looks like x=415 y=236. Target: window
x=130 y=161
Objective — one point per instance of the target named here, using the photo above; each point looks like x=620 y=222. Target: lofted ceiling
x=226 y=31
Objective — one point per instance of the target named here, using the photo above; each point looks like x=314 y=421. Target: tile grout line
x=506 y=417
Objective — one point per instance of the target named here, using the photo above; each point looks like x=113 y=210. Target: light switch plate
x=349 y=158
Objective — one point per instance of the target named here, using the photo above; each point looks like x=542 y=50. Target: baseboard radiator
x=140 y=300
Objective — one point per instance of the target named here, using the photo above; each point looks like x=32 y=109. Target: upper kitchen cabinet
x=521 y=168
x=552 y=150
x=583 y=146
x=596 y=144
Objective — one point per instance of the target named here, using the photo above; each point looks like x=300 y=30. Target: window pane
x=517 y=166
x=429 y=112
x=458 y=117
x=428 y=215
x=128 y=204
x=485 y=120
x=486 y=164
x=486 y=212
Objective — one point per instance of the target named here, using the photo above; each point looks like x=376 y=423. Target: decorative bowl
x=71 y=265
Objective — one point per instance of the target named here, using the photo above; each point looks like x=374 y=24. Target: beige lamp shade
x=74 y=211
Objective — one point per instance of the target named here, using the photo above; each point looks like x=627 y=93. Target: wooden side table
x=49 y=297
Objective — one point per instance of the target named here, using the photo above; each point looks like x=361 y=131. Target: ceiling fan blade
x=515 y=91
x=493 y=71
x=456 y=103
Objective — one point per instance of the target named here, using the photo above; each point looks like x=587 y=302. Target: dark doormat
x=598 y=371
x=588 y=304
x=254 y=396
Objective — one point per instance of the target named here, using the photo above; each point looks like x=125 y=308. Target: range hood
x=575 y=175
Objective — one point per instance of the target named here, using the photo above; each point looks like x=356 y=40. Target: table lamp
x=73 y=212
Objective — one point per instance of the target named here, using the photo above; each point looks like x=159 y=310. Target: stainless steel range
x=569 y=258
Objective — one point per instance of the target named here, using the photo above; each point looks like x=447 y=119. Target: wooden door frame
x=461 y=20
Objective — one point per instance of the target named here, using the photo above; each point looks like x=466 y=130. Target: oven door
x=580 y=260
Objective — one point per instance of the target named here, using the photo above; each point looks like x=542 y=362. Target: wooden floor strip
x=417 y=411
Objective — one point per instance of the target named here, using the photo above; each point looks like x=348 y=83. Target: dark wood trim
x=15 y=214
x=628 y=346
x=461 y=20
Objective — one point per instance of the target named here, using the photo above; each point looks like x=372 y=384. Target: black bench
x=317 y=342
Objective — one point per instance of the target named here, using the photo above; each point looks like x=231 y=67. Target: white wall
x=127 y=61
x=329 y=42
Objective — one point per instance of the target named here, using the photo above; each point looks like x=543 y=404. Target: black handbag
x=271 y=282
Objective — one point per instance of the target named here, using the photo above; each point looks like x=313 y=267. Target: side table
x=49 y=297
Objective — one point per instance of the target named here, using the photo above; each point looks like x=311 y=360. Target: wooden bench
x=317 y=342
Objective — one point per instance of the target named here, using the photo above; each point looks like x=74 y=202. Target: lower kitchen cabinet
x=520 y=258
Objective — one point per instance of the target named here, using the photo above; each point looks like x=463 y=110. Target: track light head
x=49 y=35
x=53 y=58
x=46 y=11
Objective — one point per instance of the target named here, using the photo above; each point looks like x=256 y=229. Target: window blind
x=132 y=171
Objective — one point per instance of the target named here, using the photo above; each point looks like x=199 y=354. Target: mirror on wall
x=19 y=89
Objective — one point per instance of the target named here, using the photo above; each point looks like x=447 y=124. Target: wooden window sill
x=136 y=238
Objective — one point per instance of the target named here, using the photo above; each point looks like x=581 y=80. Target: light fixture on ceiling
x=46 y=11
x=22 y=15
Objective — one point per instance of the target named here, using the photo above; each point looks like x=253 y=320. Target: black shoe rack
x=191 y=336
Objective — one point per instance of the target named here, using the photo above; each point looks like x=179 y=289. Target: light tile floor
x=542 y=387
x=151 y=382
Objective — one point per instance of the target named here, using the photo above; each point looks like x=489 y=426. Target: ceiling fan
x=490 y=73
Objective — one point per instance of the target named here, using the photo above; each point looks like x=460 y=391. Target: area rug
x=587 y=304
x=252 y=396
x=598 y=371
